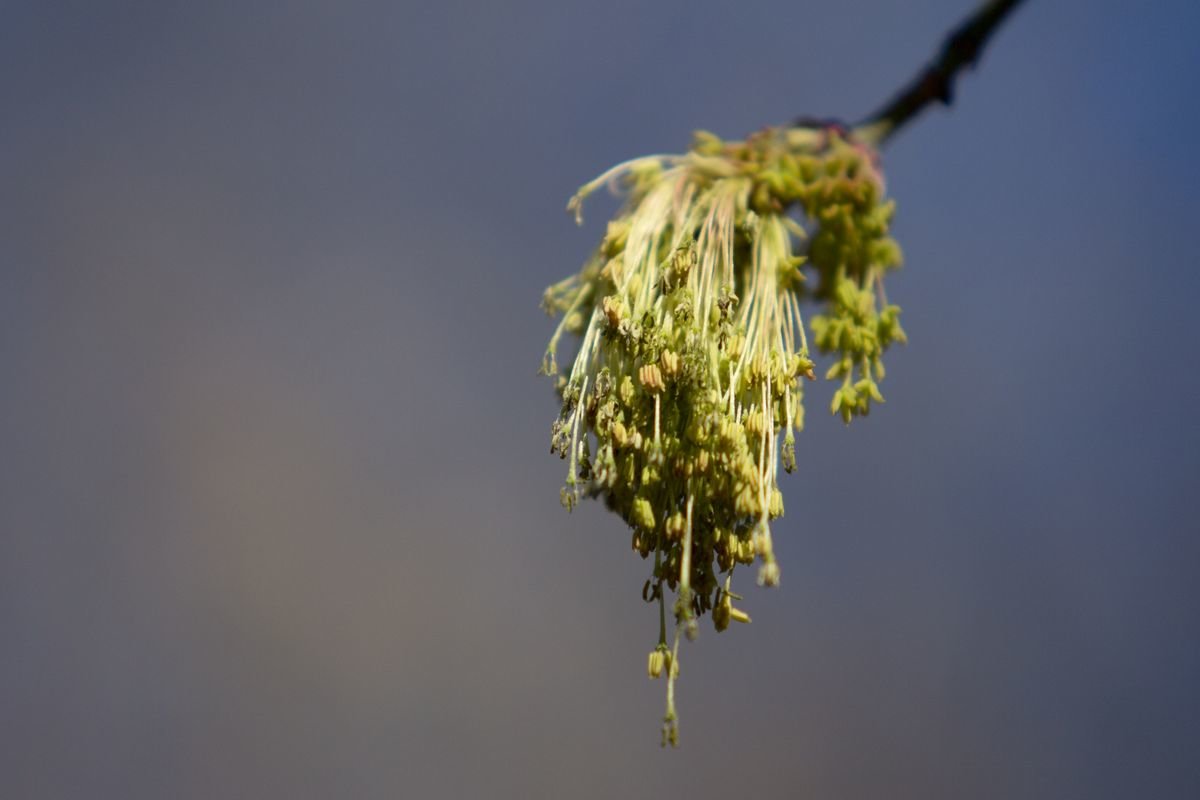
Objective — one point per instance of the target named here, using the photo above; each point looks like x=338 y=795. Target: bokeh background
x=277 y=513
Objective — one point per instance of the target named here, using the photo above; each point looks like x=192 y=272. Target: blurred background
x=277 y=512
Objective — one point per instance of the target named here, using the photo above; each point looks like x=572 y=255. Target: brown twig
x=962 y=48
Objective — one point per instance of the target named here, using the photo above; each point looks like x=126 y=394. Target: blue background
x=277 y=513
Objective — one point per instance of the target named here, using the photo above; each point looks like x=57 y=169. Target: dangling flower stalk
x=686 y=390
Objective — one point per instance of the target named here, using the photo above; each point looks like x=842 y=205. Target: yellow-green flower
x=687 y=386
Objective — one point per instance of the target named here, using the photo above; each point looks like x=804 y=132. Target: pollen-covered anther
x=720 y=615
x=671 y=363
x=768 y=574
x=775 y=508
x=651 y=378
x=620 y=435
x=745 y=551
x=737 y=615
x=676 y=526
x=755 y=423
x=642 y=514
x=757 y=371
x=803 y=365
x=614 y=310
x=655 y=663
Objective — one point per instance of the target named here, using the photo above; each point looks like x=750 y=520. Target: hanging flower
x=687 y=388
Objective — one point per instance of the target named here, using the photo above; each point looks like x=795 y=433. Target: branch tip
x=962 y=48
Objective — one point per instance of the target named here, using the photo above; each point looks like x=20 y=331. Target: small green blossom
x=686 y=391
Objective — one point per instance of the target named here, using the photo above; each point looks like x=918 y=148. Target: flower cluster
x=686 y=391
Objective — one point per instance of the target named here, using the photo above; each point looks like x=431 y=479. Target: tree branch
x=962 y=48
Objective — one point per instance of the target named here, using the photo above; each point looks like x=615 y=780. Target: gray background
x=277 y=513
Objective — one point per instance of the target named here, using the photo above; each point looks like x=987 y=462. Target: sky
x=277 y=512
